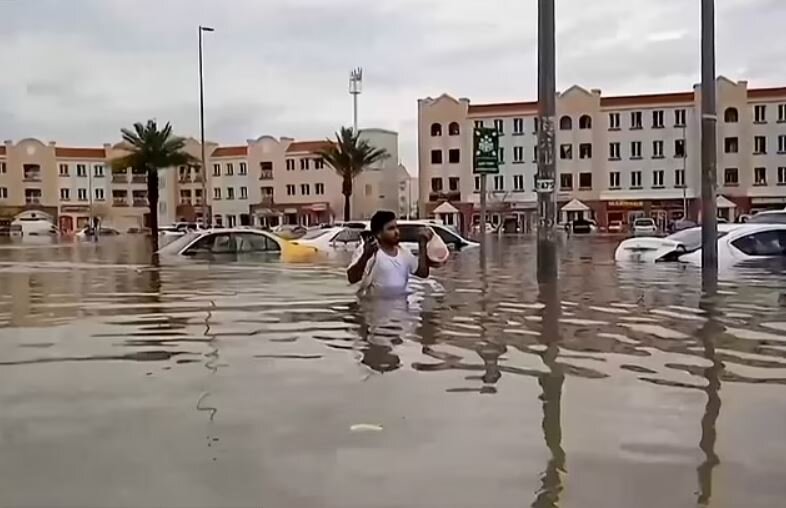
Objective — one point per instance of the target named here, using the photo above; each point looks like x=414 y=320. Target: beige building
x=617 y=157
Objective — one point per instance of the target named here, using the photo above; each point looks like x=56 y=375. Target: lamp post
x=709 y=119
x=205 y=219
x=355 y=89
x=684 y=174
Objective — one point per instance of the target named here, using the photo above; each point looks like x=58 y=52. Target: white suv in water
x=644 y=227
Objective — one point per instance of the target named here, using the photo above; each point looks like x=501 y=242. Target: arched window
x=454 y=129
x=565 y=123
x=436 y=129
x=585 y=122
x=731 y=115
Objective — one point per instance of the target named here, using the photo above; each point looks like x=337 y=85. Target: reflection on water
x=485 y=382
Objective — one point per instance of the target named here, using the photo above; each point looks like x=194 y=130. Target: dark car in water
x=581 y=227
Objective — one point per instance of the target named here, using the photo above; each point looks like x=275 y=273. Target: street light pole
x=355 y=89
x=547 y=246
x=205 y=219
x=709 y=119
x=684 y=173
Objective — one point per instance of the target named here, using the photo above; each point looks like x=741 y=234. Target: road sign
x=486 y=151
x=545 y=185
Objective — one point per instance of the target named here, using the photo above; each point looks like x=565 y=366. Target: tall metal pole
x=709 y=219
x=205 y=219
x=355 y=89
x=547 y=246
x=483 y=211
x=684 y=174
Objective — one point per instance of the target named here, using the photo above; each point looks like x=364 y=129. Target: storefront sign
x=545 y=185
x=625 y=204
x=768 y=201
x=74 y=209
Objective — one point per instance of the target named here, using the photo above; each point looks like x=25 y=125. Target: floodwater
x=250 y=383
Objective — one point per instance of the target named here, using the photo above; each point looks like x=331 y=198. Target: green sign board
x=486 y=150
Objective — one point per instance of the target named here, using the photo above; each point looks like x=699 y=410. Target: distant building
x=618 y=158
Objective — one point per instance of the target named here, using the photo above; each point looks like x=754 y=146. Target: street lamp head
x=356 y=81
x=206 y=28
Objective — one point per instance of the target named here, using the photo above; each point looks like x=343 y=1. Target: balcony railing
x=140 y=203
x=32 y=201
x=266 y=175
x=139 y=179
x=32 y=177
x=184 y=179
x=119 y=202
x=119 y=178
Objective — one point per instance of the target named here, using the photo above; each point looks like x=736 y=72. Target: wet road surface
x=238 y=383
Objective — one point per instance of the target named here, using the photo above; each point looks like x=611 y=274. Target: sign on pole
x=486 y=151
x=545 y=185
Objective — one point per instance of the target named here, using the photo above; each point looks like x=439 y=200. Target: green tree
x=349 y=156
x=151 y=149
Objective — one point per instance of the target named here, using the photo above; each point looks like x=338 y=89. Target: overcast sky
x=76 y=71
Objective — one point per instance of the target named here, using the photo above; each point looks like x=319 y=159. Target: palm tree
x=150 y=149
x=350 y=156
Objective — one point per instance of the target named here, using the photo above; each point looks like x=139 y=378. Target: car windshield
x=691 y=238
x=768 y=218
x=177 y=245
x=644 y=222
x=315 y=233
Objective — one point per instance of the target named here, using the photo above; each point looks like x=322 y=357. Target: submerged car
x=616 y=226
x=769 y=217
x=736 y=243
x=89 y=232
x=644 y=227
x=215 y=243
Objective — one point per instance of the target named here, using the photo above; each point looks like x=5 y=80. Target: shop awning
x=446 y=208
x=575 y=206
x=722 y=202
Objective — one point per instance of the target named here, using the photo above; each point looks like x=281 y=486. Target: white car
x=87 y=232
x=212 y=243
x=769 y=217
x=644 y=227
x=736 y=243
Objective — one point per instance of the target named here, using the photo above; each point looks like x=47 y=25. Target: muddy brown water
x=237 y=383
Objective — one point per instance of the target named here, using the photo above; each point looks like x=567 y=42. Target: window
x=454 y=156
x=267 y=193
x=454 y=129
x=63 y=169
x=65 y=194
x=319 y=189
x=518 y=154
x=781 y=144
x=243 y=192
x=679 y=118
x=759 y=176
x=657 y=179
x=477 y=184
x=304 y=164
x=731 y=115
x=217 y=193
x=679 y=178
x=290 y=164
x=614 y=180
x=535 y=153
x=3 y=168
x=566 y=181
x=781 y=113
x=501 y=155
x=614 y=121
x=499 y=183
x=585 y=181
x=436 y=130
x=635 y=150
x=731 y=177
x=436 y=184
x=216 y=169
x=99 y=194
x=635 y=119
x=81 y=170
x=759 y=145
x=537 y=125
x=349 y=235
x=499 y=125
x=731 y=145
x=566 y=152
x=81 y=194
x=585 y=122
x=243 y=169
x=635 y=179
x=781 y=176
x=453 y=183
x=3 y=192
x=679 y=148
x=290 y=189
x=518 y=126
x=765 y=243
x=436 y=156
x=585 y=151
x=230 y=169
x=478 y=124
x=614 y=151
x=230 y=193
x=760 y=113
x=565 y=123
x=254 y=242
x=98 y=170
x=657 y=149
x=518 y=183
x=657 y=119
x=305 y=189
x=319 y=163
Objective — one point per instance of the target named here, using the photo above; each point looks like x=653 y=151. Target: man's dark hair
x=379 y=219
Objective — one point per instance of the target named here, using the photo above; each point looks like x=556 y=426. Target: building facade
x=618 y=158
x=266 y=182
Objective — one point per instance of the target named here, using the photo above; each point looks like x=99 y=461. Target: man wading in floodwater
x=381 y=265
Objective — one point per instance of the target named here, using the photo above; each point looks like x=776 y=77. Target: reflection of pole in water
x=707 y=334
x=551 y=396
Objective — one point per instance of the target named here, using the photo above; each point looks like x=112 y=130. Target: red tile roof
x=308 y=146
x=647 y=99
x=230 y=151
x=80 y=153
x=767 y=93
x=503 y=107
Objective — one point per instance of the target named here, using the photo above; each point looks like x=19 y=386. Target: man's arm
x=424 y=265
x=358 y=267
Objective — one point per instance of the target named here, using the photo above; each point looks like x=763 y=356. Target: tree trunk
x=152 y=202
x=346 y=189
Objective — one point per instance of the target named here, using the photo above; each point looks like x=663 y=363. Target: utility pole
x=205 y=219
x=547 y=246
x=709 y=119
x=684 y=173
x=483 y=207
x=355 y=89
